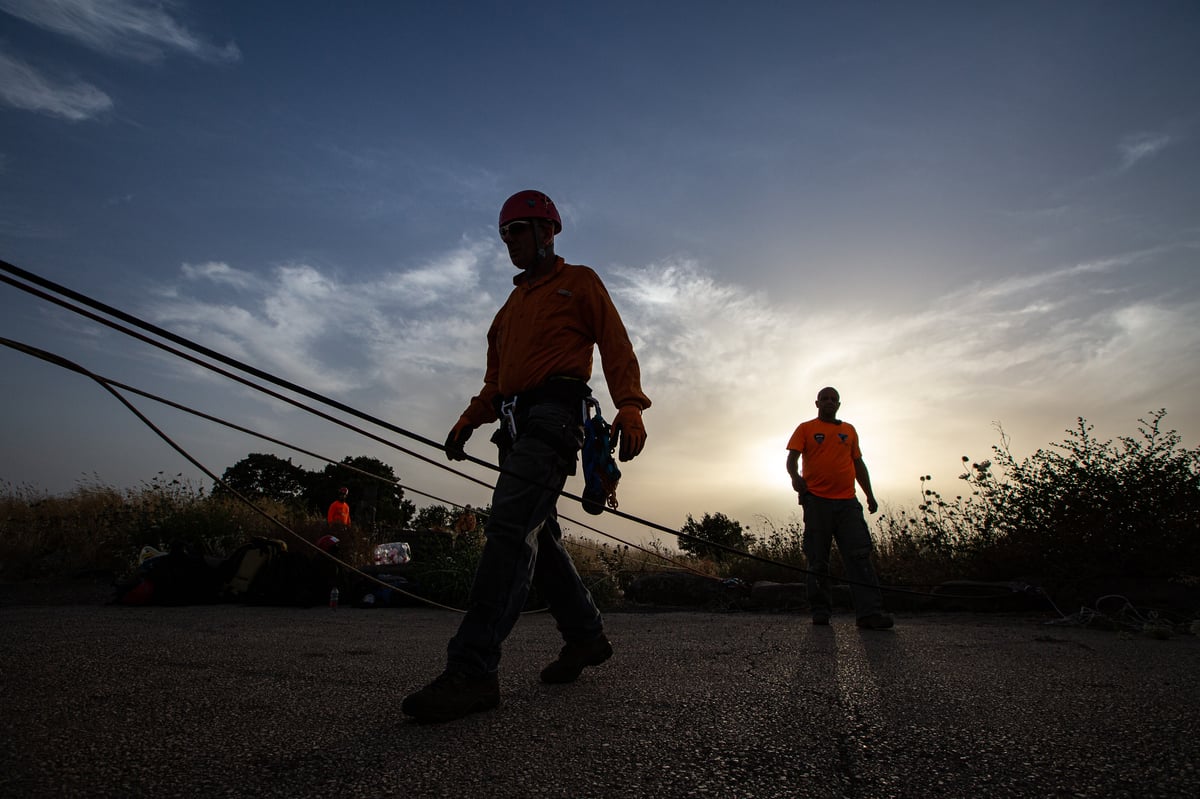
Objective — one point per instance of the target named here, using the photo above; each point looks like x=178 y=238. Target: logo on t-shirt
x=820 y=437
x=843 y=437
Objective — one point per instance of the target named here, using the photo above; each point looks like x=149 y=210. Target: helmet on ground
x=328 y=543
x=530 y=204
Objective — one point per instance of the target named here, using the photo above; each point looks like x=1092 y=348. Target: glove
x=630 y=431
x=457 y=439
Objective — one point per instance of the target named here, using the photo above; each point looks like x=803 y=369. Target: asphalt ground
x=105 y=701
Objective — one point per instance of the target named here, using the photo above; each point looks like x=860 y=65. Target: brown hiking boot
x=876 y=621
x=576 y=656
x=452 y=696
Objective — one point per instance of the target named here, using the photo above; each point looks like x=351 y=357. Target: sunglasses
x=512 y=228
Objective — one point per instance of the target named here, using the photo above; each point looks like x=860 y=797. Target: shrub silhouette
x=1083 y=507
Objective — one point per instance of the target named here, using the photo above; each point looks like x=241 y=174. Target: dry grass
x=100 y=528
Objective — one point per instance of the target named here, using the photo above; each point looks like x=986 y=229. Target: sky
x=968 y=218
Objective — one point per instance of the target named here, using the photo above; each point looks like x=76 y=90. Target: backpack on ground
x=249 y=569
x=178 y=577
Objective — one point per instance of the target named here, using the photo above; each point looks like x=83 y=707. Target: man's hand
x=872 y=505
x=800 y=486
x=457 y=439
x=630 y=432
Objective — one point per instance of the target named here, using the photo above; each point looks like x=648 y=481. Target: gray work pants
x=523 y=546
x=841 y=520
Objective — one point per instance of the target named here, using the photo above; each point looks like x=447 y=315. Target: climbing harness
x=600 y=472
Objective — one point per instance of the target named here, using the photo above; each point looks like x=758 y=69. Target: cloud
x=456 y=274
x=1141 y=146
x=219 y=273
x=387 y=332
x=699 y=330
x=731 y=372
x=137 y=29
x=1023 y=284
x=24 y=87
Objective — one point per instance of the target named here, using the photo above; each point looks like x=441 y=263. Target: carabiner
x=508 y=410
x=589 y=404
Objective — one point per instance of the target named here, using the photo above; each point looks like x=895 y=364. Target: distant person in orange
x=339 y=511
x=832 y=512
x=466 y=521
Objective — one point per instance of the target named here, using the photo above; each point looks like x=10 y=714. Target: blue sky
x=958 y=214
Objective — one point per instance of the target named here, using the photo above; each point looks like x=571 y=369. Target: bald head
x=828 y=402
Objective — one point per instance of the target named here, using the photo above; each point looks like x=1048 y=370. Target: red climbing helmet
x=530 y=204
x=328 y=543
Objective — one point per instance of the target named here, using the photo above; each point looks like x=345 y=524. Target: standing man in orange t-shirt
x=832 y=464
x=339 y=510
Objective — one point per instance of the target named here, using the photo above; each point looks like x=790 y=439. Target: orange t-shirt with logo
x=828 y=451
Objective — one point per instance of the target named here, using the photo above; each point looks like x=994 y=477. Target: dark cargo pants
x=523 y=546
x=841 y=520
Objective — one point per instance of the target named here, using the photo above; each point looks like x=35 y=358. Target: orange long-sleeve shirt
x=549 y=327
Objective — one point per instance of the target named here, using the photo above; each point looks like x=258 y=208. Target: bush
x=609 y=569
x=781 y=545
x=1084 y=507
x=443 y=565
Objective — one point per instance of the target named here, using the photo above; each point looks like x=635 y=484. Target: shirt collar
x=522 y=277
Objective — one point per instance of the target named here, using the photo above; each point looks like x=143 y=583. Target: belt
x=571 y=392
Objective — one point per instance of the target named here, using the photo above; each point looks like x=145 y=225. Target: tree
x=267 y=476
x=435 y=517
x=713 y=529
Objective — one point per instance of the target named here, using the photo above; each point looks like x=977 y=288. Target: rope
x=110 y=384
x=111 y=389
x=184 y=342
x=1126 y=616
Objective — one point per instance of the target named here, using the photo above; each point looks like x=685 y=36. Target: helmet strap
x=537 y=235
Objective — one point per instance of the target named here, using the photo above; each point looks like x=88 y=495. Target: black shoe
x=876 y=621
x=574 y=657
x=452 y=696
x=820 y=619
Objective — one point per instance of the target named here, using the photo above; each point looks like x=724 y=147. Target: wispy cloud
x=317 y=328
x=143 y=30
x=1022 y=284
x=1141 y=146
x=221 y=274
x=22 y=86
